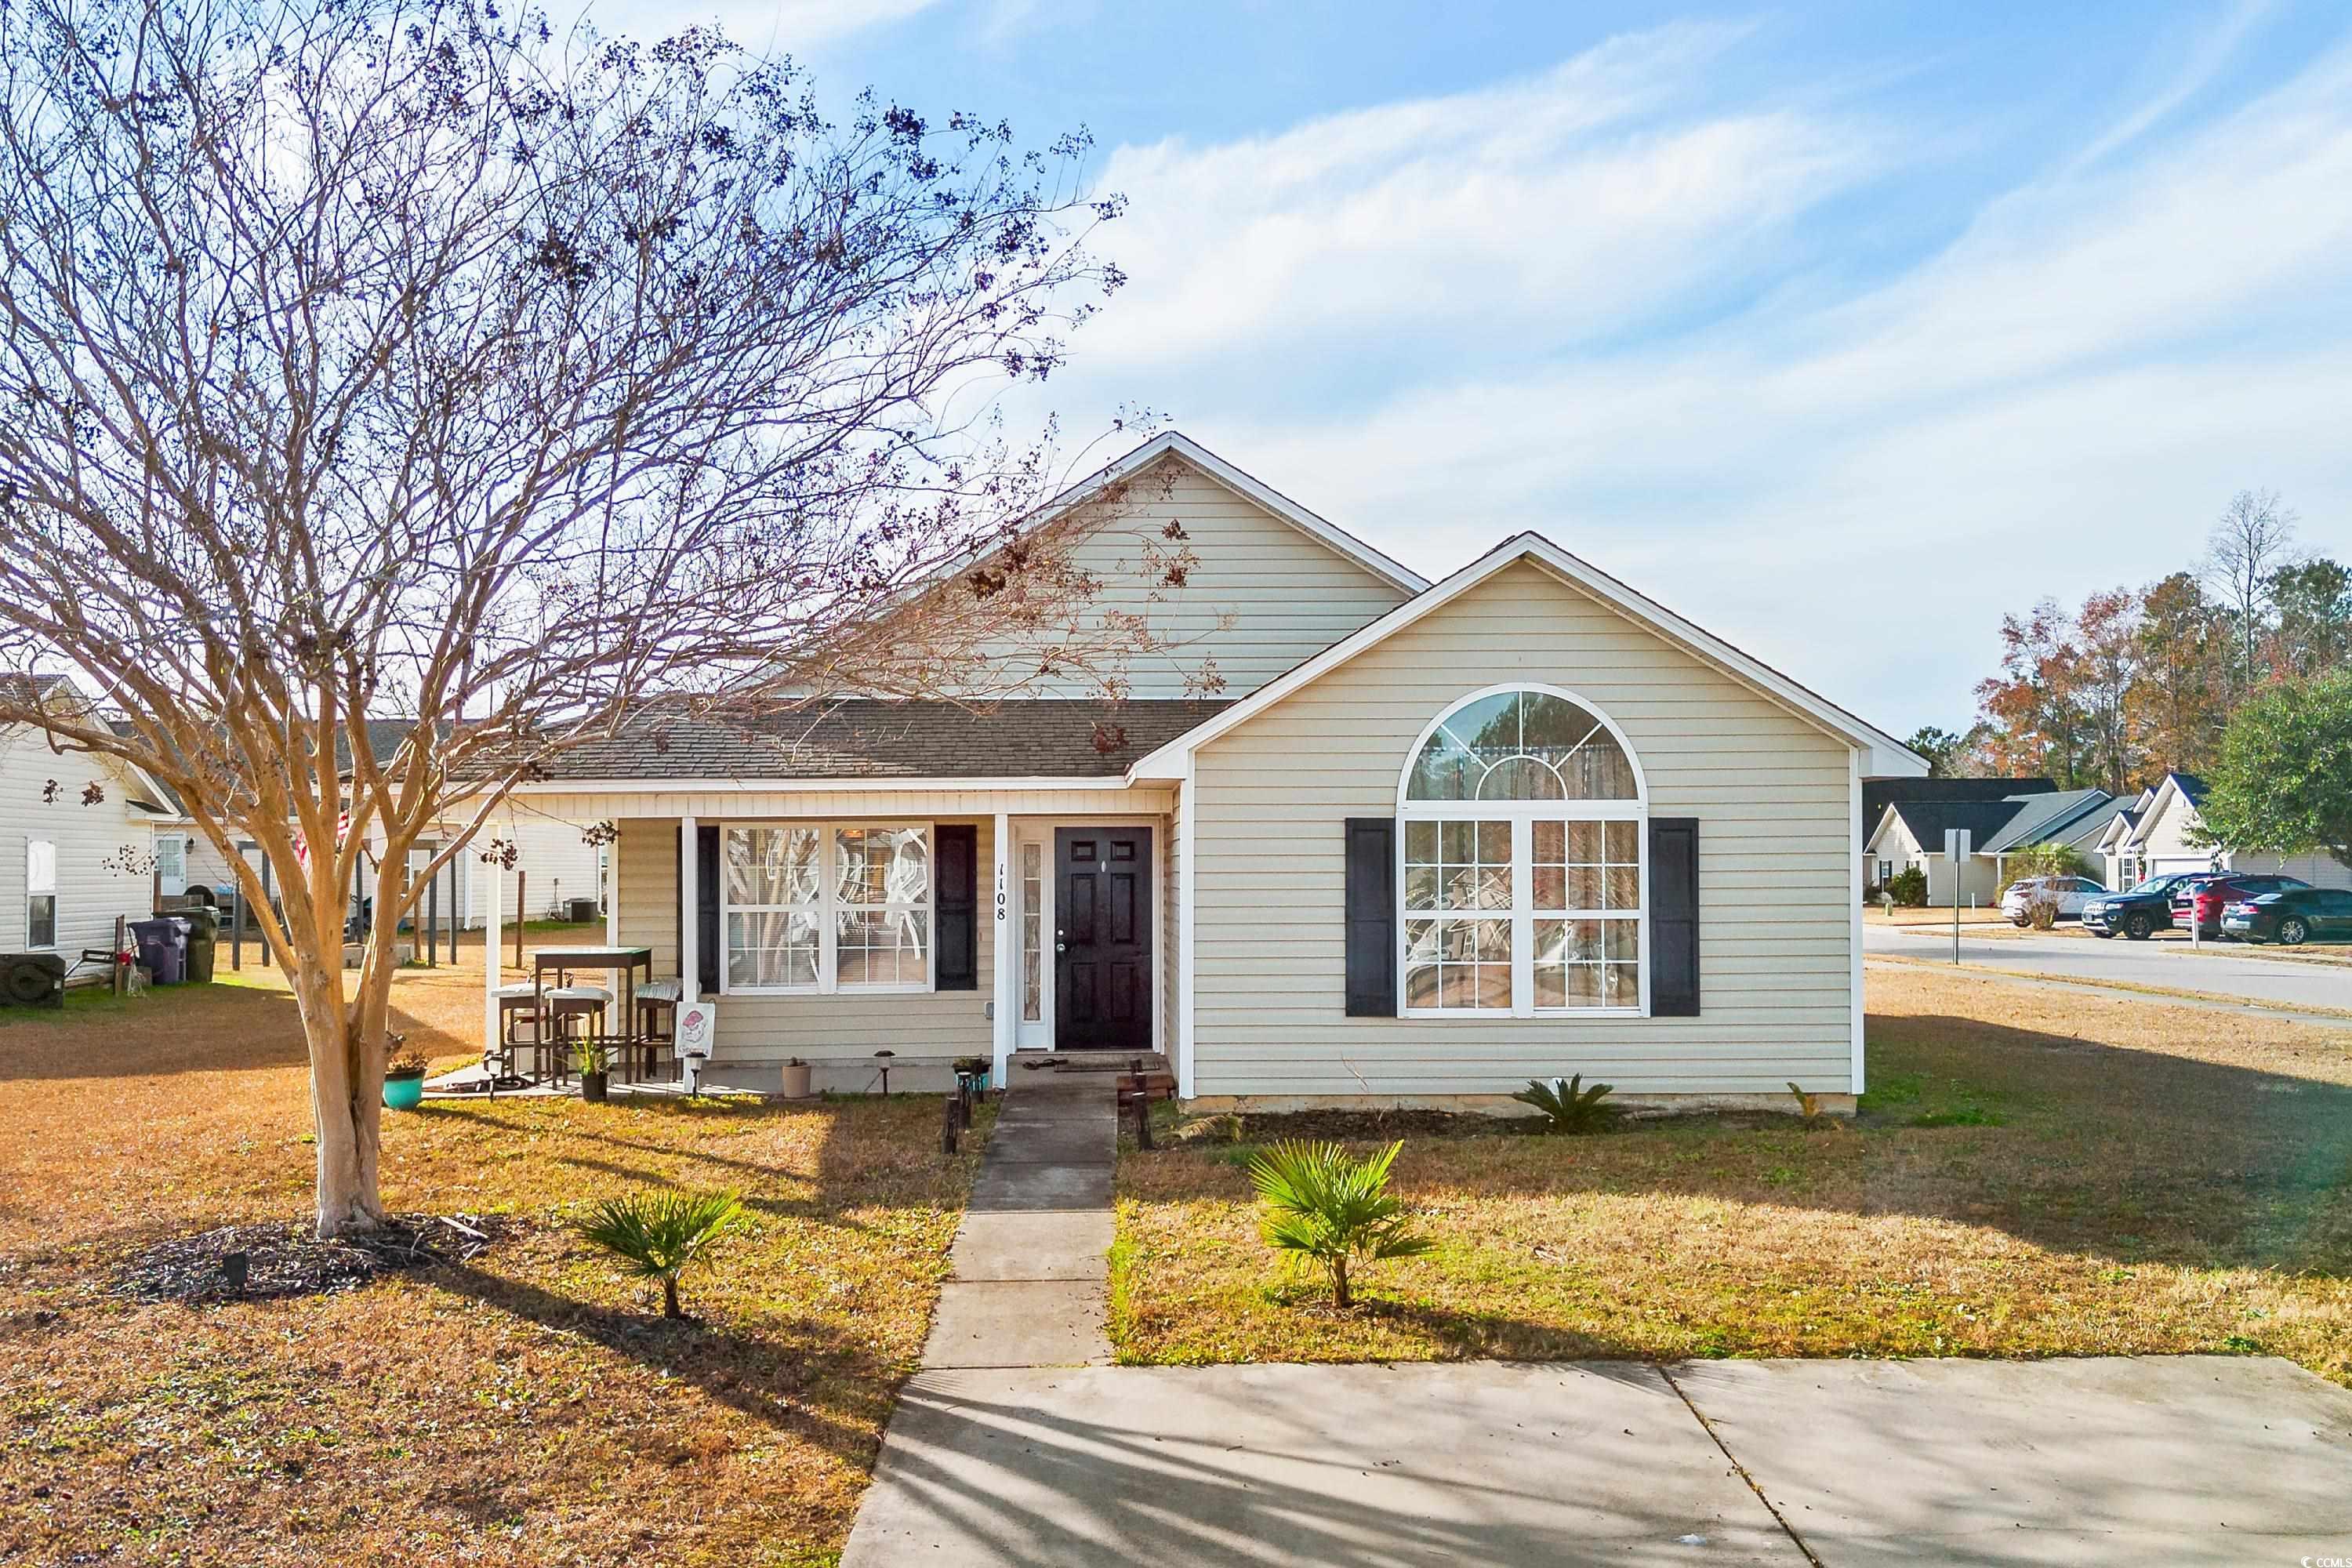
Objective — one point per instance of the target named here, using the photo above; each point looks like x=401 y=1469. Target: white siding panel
x=1770 y=791
x=90 y=892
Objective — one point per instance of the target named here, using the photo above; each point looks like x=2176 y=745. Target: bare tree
x=387 y=358
x=2252 y=539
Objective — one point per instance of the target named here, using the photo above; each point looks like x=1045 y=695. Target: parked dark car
x=2215 y=891
x=2136 y=913
x=2293 y=917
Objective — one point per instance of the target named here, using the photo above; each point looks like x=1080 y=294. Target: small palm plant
x=1322 y=1209
x=1570 y=1107
x=659 y=1234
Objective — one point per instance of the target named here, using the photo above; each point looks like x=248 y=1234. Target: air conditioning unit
x=32 y=979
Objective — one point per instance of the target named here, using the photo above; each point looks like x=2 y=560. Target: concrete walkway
x=1026 y=1276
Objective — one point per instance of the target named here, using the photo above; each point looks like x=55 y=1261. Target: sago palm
x=1320 y=1208
x=1570 y=1107
x=657 y=1234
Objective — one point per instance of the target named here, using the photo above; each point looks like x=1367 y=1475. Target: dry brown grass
x=526 y=1408
x=2038 y=1173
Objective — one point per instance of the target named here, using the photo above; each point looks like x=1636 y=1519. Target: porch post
x=491 y=973
x=1007 y=1009
x=690 y=925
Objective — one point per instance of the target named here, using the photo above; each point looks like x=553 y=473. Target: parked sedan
x=2209 y=893
x=2073 y=894
x=2292 y=916
x=2138 y=912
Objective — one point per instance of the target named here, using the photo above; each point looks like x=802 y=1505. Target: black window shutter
x=708 y=958
x=1674 y=917
x=1371 y=916
x=957 y=868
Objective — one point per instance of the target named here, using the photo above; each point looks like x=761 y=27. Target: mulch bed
x=283 y=1258
x=1353 y=1126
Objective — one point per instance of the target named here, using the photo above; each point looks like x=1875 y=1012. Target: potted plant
x=403 y=1075
x=592 y=1057
x=796 y=1079
x=977 y=1070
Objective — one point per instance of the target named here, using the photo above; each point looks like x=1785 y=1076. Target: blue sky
x=1840 y=330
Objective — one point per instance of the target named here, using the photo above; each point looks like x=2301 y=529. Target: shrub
x=1570 y=1107
x=659 y=1234
x=1909 y=888
x=2044 y=859
x=1323 y=1209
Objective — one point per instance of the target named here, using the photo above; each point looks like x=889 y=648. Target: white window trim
x=828 y=907
x=1522 y=815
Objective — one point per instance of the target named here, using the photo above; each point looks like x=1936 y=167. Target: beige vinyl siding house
x=1770 y=791
x=1664 y=841
x=2163 y=840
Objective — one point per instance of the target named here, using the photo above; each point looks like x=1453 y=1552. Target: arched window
x=1523 y=887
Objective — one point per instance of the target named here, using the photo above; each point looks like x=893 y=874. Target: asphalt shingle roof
x=1929 y=819
x=869 y=738
x=1877 y=795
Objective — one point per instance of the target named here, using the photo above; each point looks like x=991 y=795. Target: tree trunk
x=1340 y=1293
x=669 y=1298
x=346 y=1108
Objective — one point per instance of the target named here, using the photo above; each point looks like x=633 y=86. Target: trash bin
x=163 y=945
x=203 y=933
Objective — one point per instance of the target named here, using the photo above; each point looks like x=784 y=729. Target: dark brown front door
x=1102 y=939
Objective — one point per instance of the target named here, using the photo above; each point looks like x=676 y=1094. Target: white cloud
x=1854 y=487
x=1560 y=209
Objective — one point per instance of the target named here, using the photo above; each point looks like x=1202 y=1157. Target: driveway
x=2178 y=1460
x=2280 y=982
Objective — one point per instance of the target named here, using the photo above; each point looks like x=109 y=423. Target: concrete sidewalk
x=2222 y=1460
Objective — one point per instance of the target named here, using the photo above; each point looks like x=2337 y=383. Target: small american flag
x=342 y=831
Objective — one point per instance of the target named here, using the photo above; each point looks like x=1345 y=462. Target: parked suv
x=2294 y=916
x=2210 y=892
x=2071 y=893
x=2138 y=912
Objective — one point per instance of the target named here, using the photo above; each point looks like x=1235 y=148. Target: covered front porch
x=864 y=929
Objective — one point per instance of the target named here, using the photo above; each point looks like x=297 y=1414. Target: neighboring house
x=1877 y=795
x=1429 y=841
x=554 y=861
x=1911 y=833
x=70 y=869
x=2163 y=840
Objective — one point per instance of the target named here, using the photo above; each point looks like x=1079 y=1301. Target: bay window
x=823 y=908
x=1523 y=880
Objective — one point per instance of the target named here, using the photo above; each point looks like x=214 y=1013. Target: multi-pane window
x=1522 y=874
x=813 y=908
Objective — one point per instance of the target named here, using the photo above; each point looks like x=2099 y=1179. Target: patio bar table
x=563 y=961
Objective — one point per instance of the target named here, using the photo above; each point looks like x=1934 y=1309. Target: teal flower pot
x=404 y=1093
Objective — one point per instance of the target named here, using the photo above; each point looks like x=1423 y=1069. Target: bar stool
x=567 y=1006
x=657 y=1004
x=518 y=1005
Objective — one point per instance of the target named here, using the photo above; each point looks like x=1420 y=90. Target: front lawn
x=2036 y=1173
x=526 y=1406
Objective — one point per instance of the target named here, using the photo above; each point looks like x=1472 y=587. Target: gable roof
x=2042 y=817
x=875 y=738
x=1928 y=820
x=2186 y=788
x=1886 y=755
x=1130 y=464
x=1877 y=793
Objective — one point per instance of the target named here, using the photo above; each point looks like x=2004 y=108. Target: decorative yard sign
x=697 y=1027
